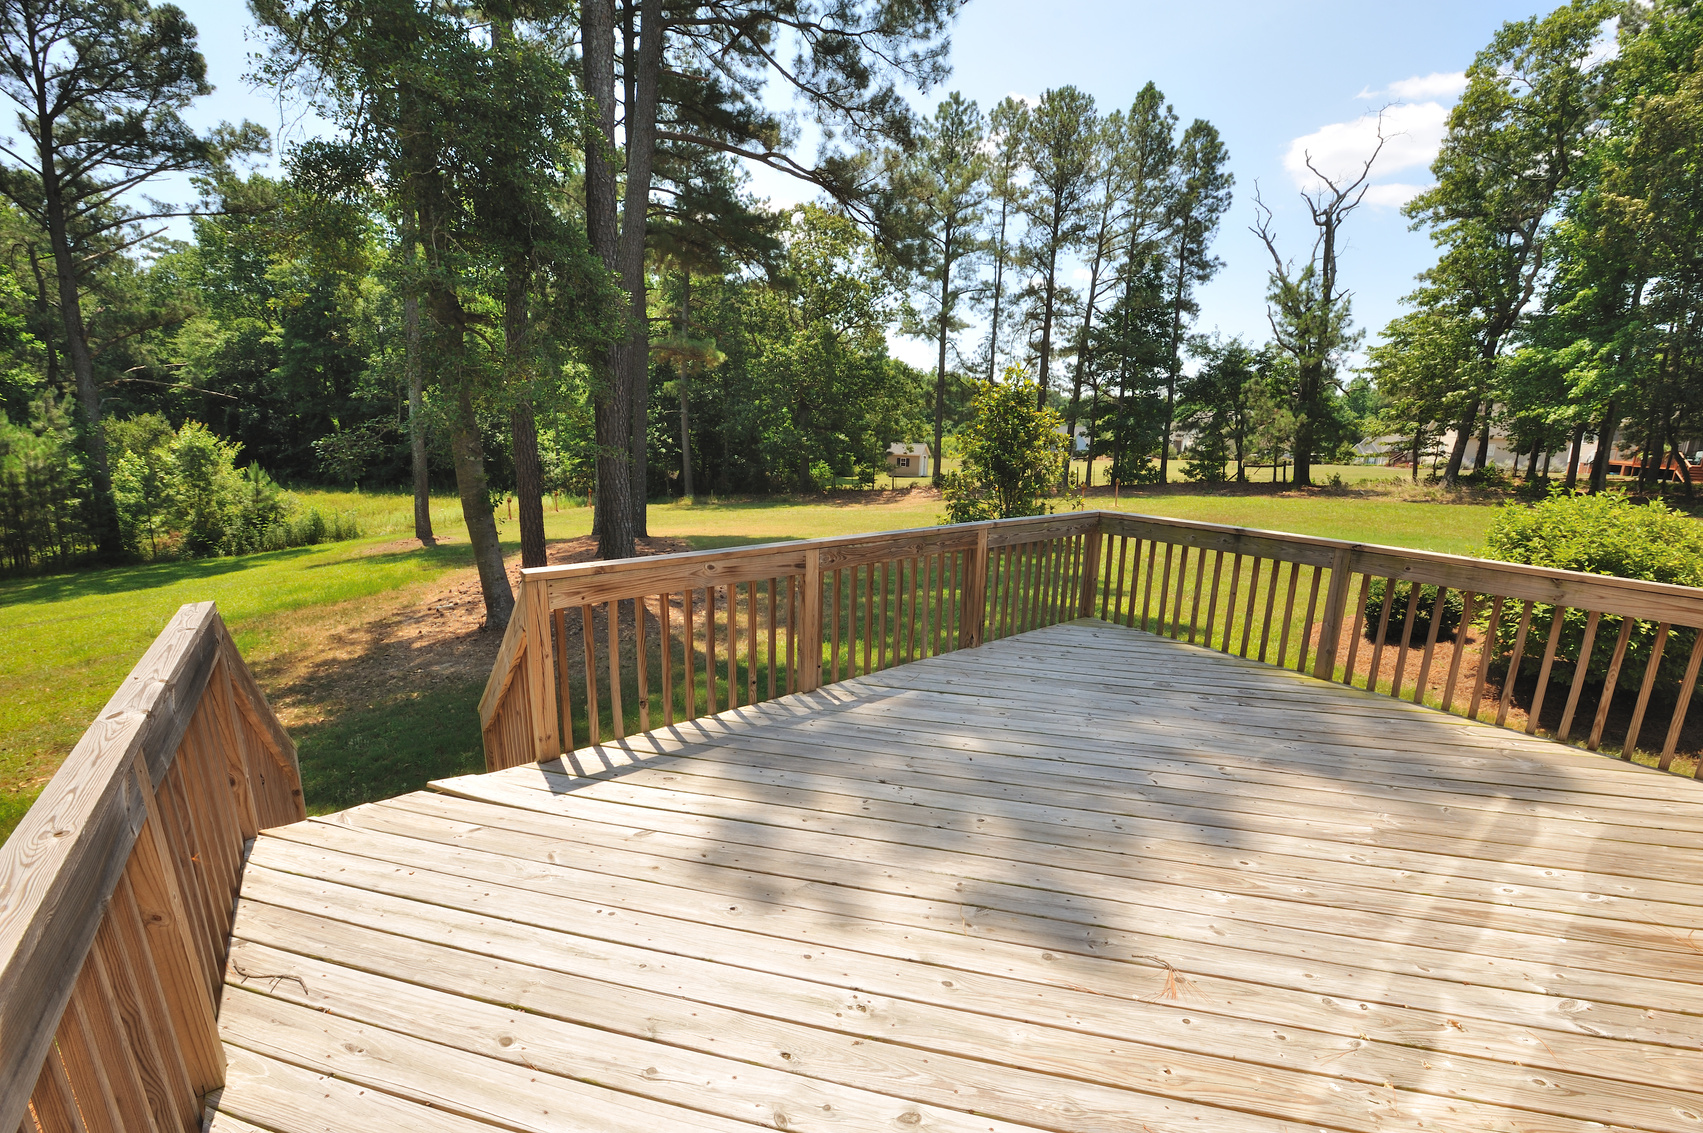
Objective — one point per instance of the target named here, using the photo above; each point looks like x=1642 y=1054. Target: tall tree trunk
x=687 y=489
x=1683 y=464
x=1531 y=465
x=1176 y=360
x=416 y=397
x=1457 y=451
x=611 y=382
x=940 y=365
x=1483 y=453
x=639 y=124
x=103 y=507
x=998 y=289
x=1573 y=457
x=523 y=428
x=466 y=448
x=1044 y=373
x=1418 y=444
x=1605 y=449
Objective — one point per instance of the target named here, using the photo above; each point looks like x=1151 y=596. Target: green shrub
x=1014 y=452
x=1422 y=612
x=1602 y=534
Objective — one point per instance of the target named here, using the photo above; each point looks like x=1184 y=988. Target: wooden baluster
x=1557 y=621
x=122 y=951
x=868 y=601
x=1307 y=623
x=1378 y=642
x=923 y=636
x=588 y=638
x=1178 y=596
x=886 y=629
x=617 y=714
x=1514 y=660
x=1676 y=723
x=1116 y=596
x=1270 y=606
x=1592 y=620
x=1128 y=599
x=53 y=1104
x=1609 y=683
x=1036 y=584
x=1052 y=566
x=1400 y=674
x=85 y=1067
x=1486 y=654
x=690 y=661
x=1359 y=627
x=111 y=1046
x=1164 y=592
x=665 y=616
x=1629 y=746
x=1253 y=597
x=1147 y=587
x=911 y=616
x=1230 y=604
x=1439 y=600
x=732 y=590
x=1111 y=568
x=791 y=633
x=1468 y=600
x=751 y=642
x=641 y=674
x=1288 y=614
x=832 y=614
x=774 y=616
x=710 y=650
x=564 y=695
x=1199 y=587
x=185 y=846
x=942 y=617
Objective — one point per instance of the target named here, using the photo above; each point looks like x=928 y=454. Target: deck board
x=1081 y=879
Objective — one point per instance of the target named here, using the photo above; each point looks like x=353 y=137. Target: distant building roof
x=907 y=448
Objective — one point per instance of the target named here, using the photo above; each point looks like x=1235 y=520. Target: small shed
x=906 y=459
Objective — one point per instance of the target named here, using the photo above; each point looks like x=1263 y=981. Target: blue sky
x=1275 y=78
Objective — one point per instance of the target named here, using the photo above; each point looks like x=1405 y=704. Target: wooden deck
x=1079 y=879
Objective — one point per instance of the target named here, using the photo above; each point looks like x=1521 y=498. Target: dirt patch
x=361 y=653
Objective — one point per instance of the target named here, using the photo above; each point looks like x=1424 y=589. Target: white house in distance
x=906 y=459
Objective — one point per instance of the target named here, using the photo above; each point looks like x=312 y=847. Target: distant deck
x=1083 y=878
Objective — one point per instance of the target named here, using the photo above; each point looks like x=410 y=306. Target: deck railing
x=118 y=888
x=600 y=648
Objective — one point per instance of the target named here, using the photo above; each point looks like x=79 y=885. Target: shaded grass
x=74 y=636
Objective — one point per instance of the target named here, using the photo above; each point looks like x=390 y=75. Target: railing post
x=540 y=668
x=976 y=588
x=1090 y=569
x=1336 y=604
x=810 y=635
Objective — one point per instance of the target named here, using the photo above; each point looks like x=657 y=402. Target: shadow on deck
x=1082 y=878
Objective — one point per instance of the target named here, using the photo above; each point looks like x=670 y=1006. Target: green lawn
x=75 y=635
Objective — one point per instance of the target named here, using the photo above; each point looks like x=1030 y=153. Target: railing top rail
x=1610 y=593
x=1632 y=597
x=59 y=868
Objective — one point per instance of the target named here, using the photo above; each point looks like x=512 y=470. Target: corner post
x=976 y=590
x=810 y=639
x=540 y=668
x=1090 y=568
x=1336 y=604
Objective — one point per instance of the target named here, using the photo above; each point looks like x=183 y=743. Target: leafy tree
x=1217 y=405
x=1012 y=450
x=100 y=87
x=1007 y=127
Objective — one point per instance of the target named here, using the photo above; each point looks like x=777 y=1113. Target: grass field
x=75 y=635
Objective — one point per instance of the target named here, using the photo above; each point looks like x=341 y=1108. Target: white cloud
x=1412 y=133
x=1393 y=195
x=1437 y=84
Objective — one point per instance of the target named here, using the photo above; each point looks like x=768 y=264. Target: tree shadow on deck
x=1267 y=853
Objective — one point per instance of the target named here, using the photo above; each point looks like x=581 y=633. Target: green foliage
x=1602 y=534
x=1423 y=611
x=43 y=488
x=1013 y=453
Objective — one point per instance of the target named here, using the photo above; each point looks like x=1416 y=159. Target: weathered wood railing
x=602 y=647
x=117 y=892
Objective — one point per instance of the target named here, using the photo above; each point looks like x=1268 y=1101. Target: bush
x=1422 y=612
x=1014 y=453
x=1602 y=534
x=43 y=488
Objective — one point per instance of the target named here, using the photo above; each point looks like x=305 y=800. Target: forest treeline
x=527 y=259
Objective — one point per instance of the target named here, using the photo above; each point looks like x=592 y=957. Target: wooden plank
x=689 y=664
x=273 y=1094
x=810 y=634
x=694 y=1070
x=1288 y=616
x=588 y=638
x=539 y=663
x=642 y=676
x=1270 y=606
x=563 y=680
x=1336 y=604
x=625 y=983
x=774 y=618
x=665 y=615
x=710 y=674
